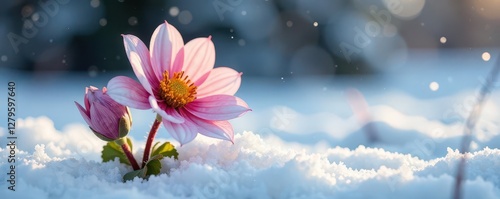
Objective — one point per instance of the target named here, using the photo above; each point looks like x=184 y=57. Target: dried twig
x=360 y=108
x=470 y=124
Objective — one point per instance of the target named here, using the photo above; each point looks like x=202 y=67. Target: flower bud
x=108 y=119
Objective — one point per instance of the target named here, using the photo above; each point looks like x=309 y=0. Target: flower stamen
x=178 y=91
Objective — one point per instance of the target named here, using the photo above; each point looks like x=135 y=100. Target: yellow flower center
x=177 y=91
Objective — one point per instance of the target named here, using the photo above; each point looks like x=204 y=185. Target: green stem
x=149 y=141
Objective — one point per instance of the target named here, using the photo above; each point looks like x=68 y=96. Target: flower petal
x=103 y=121
x=221 y=80
x=183 y=132
x=107 y=101
x=199 y=58
x=215 y=129
x=218 y=107
x=85 y=114
x=178 y=62
x=128 y=92
x=166 y=113
x=165 y=43
x=86 y=99
x=138 y=55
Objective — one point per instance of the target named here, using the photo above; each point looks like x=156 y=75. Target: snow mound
x=52 y=164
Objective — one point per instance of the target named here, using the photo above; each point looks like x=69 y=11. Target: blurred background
x=280 y=38
x=396 y=75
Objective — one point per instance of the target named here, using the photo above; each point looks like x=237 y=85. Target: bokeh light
x=103 y=22
x=185 y=17
x=486 y=56
x=132 y=21
x=405 y=9
x=434 y=86
x=174 y=11
x=489 y=9
x=442 y=40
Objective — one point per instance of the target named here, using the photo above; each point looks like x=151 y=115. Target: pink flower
x=179 y=83
x=106 y=118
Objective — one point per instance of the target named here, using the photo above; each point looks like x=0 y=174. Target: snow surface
x=65 y=164
x=301 y=140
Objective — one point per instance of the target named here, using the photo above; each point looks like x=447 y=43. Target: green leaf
x=153 y=167
x=155 y=146
x=112 y=150
x=166 y=150
x=129 y=141
x=141 y=173
x=124 y=125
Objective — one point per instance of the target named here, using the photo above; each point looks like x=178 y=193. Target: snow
x=301 y=140
x=65 y=164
